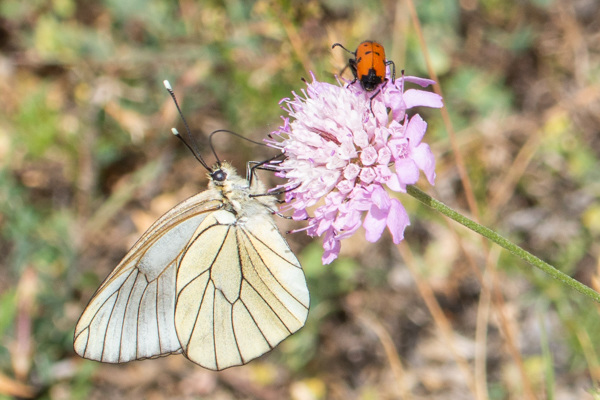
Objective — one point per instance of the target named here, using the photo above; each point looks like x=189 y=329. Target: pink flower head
x=343 y=147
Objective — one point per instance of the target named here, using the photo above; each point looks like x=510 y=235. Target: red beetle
x=368 y=65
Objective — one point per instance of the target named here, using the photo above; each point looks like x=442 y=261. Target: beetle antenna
x=340 y=45
x=190 y=143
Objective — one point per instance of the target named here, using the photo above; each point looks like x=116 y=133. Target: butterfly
x=212 y=279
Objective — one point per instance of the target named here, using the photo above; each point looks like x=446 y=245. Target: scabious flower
x=342 y=146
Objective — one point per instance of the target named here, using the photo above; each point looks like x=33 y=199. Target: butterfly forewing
x=131 y=315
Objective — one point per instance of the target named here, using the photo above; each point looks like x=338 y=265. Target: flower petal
x=416 y=98
x=367 y=175
x=368 y=156
x=416 y=130
x=300 y=214
x=375 y=220
x=351 y=171
x=398 y=148
x=407 y=171
x=379 y=197
x=374 y=223
x=349 y=229
x=384 y=156
x=425 y=161
x=347 y=221
x=345 y=186
x=331 y=247
x=423 y=82
x=394 y=184
x=397 y=221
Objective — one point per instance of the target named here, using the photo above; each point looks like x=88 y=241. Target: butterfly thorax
x=237 y=195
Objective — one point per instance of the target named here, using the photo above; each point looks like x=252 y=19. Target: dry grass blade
x=390 y=350
x=10 y=387
x=460 y=163
x=483 y=319
x=440 y=319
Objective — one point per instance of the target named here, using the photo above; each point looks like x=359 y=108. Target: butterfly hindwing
x=240 y=298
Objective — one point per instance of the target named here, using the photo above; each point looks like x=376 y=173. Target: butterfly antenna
x=231 y=133
x=190 y=143
x=200 y=160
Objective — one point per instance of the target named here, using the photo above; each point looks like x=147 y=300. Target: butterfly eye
x=219 y=175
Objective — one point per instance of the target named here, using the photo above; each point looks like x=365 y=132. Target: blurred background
x=87 y=163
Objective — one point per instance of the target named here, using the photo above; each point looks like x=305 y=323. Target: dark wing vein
x=125 y=312
x=138 y=318
x=117 y=293
x=213 y=320
x=156 y=308
x=108 y=322
x=137 y=326
x=237 y=344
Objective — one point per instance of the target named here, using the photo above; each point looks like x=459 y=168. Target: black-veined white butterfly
x=212 y=279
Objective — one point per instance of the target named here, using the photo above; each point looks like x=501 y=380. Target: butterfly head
x=223 y=175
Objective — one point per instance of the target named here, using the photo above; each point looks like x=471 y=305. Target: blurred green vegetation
x=87 y=163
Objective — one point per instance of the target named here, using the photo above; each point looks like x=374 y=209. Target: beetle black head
x=370 y=81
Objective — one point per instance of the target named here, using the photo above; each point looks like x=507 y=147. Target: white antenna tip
x=167 y=84
x=175 y=131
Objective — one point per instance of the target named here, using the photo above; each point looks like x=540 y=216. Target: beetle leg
x=371 y=100
x=393 y=70
x=352 y=65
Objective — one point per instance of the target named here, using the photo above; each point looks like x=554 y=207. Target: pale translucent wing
x=240 y=291
x=131 y=315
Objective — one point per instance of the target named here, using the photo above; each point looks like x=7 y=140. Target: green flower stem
x=493 y=236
